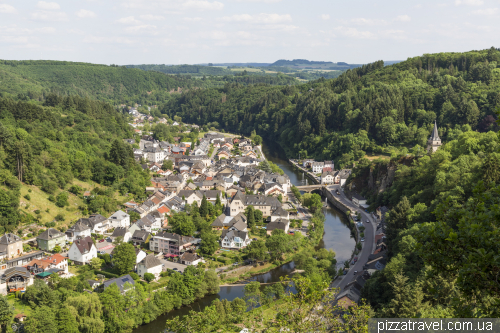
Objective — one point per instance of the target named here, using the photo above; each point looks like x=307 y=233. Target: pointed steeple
x=434 y=135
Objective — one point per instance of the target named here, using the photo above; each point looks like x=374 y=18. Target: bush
x=50 y=224
x=75 y=189
x=52 y=199
x=27 y=197
x=37 y=211
x=62 y=199
x=359 y=246
x=29 y=190
x=59 y=217
x=149 y=277
x=135 y=276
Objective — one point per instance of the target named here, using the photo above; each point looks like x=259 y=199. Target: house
x=50 y=238
x=342 y=176
x=223 y=154
x=15 y=279
x=139 y=255
x=265 y=204
x=358 y=200
x=55 y=262
x=280 y=223
x=80 y=229
x=329 y=164
x=155 y=167
x=307 y=163
x=11 y=244
x=274 y=189
x=190 y=258
x=140 y=236
x=280 y=213
x=96 y=223
x=121 y=232
x=172 y=245
x=151 y=222
x=82 y=250
x=154 y=154
x=328 y=177
x=150 y=264
x=234 y=239
x=317 y=167
x=348 y=298
x=238 y=222
x=124 y=283
x=119 y=219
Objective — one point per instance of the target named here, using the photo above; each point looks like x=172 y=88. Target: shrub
x=62 y=199
x=359 y=246
x=106 y=274
x=27 y=197
x=51 y=199
x=29 y=190
x=59 y=217
x=135 y=276
x=149 y=277
x=50 y=224
x=37 y=211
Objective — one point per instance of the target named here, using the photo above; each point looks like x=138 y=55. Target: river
x=337 y=237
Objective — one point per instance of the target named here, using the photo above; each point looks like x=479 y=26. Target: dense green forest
x=67 y=137
x=117 y=84
x=368 y=109
x=442 y=232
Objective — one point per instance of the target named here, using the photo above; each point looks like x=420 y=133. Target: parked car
x=362 y=239
x=101 y=240
x=175 y=269
x=367 y=221
x=355 y=259
x=291 y=233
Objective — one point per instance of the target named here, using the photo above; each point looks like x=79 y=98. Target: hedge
x=225 y=261
x=159 y=285
x=106 y=274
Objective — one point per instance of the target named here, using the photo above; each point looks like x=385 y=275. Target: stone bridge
x=310 y=188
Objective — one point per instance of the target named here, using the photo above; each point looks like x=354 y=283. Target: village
x=222 y=170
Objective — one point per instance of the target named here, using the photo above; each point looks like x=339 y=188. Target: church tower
x=434 y=141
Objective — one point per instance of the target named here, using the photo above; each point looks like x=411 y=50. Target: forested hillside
x=368 y=109
x=66 y=138
x=117 y=84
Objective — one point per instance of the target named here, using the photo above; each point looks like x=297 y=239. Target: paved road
x=172 y=265
x=369 y=243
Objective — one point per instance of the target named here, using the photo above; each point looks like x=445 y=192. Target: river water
x=337 y=237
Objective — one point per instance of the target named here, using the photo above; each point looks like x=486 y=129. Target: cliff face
x=381 y=178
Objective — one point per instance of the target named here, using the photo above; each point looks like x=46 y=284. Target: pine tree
x=407 y=300
x=249 y=212
x=204 y=207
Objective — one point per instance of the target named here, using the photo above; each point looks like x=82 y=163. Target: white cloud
x=260 y=18
x=192 y=19
x=469 y=2
x=48 y=5
x=46 y=30
x=486 y=12
x=49 y=16
x=403 y=18
x=7 y=9
x=325 y=17
x=83 y=13
x=363 y=21
x=128 y=20
x=152 y=17
x=353 y=32
x=203 y=5
x=107 y=40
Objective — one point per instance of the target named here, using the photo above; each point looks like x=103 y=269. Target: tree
x=124 y=258
x=257 y=213
x=134 y=216
x=265 y=166
x=407 y=299
x=257 y=250
x=41 y=320
x=249 y=212
x=211 y=279
x=149 y=277
x=6 y=313
x=252 y=293
x=62 y=199
x=167 y=165
x=96 y=263
x=182 y=224
x=57 y=249
x=204 y=207
x=278 y=244
x=66 y=321
x=209 y=242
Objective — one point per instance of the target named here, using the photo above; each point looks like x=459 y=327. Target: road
x=369 y=243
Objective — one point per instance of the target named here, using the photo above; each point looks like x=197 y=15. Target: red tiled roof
x=163 y=210
x=54 y=259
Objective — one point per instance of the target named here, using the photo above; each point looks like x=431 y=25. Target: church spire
x=434 y=135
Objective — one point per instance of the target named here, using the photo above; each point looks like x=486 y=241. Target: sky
x=201 y=31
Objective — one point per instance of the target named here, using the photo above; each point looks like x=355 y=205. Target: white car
x=362 y=239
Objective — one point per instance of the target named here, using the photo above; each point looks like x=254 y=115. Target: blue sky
x=196 y=31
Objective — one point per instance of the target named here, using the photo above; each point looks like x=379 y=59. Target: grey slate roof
x=435 y=134
x=120 y=281
x=278 y=224
x=50 y=233
x=140 y=235
x=280 y=212
x=231 y=234
x=150 y=261
x=119 y=232
x=84 y=244
x=219 y=221
x=9 y=239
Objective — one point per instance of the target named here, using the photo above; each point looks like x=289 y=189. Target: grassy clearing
x=40 y=201
x=372 y=157
x=19 y=307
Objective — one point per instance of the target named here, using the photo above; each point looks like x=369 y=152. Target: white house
x=123 y=233
x=190 y=258
x=317 y=167
x=139 y=256
x=234 y=239
x=328 y=177
x=150 y=264
x=358 y=200
x=82 y=250
x=154 y=154
x=119 y=219
x=79 y=230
